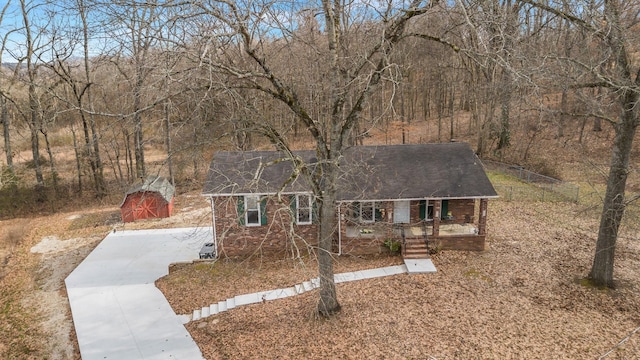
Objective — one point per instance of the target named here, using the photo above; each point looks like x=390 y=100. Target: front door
x=401 y=212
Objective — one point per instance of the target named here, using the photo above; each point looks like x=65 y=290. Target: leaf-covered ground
x=521 y=298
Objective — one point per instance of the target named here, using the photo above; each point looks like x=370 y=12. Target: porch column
x=437 y=209
x=213 y=227
x=482 y=221
x=339 y=229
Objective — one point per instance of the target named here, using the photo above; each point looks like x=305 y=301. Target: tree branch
x=440 y=40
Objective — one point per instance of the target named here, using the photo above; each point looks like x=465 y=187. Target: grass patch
x=588 y=283
x=13 y=236
x=473 y=273
x=511 y=188
x=94 y=220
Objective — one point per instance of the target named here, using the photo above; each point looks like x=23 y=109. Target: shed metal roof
x=384 y=172
x=153 y=183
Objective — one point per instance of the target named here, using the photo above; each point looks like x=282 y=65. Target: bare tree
x=137 y=27
x=610 y=26
x=93 y=145
x=4 y=89
x=243 y=45
x=32 y=48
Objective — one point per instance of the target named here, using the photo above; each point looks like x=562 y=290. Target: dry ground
x=37 y=254
x=522 y=298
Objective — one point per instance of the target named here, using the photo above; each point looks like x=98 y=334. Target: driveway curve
x=118 y=313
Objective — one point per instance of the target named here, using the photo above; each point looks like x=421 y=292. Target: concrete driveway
x=117 y=311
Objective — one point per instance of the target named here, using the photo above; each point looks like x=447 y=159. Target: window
x=252 y=210
x=366 y=212
x=252 y=214
x=303 y=209
x=367 y=209
x=426 y=210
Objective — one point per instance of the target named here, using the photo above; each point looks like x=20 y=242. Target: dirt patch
x=36 y=255
x=58 y=258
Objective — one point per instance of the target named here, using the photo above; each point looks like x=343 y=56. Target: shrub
x=392 y=245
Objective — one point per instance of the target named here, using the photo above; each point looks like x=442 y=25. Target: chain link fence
x=538 y=188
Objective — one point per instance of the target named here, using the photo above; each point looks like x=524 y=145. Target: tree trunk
x=88 y=150
x=34 y=104
x=52 y=163
x=128 y=159
x=440 y=110
x=328 y=303
x=138 y=144
x=504 y=135
x=451 y=112
x=563 y=111
x=167 y=132
x=137 y=147
x=78 y=157
x=6 y=135
x=35 y=141
x=96 y=161
x=614 y=200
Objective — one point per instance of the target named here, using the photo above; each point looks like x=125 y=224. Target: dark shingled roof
x=385 y=172
x=153 y=184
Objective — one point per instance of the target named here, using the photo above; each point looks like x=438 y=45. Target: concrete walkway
x=411 y=266
x=118 y=313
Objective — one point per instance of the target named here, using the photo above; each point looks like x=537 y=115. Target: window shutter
x=377 y=212
x=263 y=211
x=445 y=209
x=241 y=210
x=423 y=209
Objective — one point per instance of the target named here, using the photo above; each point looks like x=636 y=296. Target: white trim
x=255 y=193
x=414 y=199
x=213 y=221
x=339 y=232
x=246 y=211
x=309 y=207
x=357 y=200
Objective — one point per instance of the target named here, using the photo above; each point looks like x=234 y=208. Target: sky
x=50 y=23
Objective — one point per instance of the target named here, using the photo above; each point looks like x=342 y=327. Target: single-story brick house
x=420 y=195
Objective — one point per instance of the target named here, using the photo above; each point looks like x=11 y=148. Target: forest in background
x=96 y=95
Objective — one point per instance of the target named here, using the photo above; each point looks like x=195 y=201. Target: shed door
x=401 y=212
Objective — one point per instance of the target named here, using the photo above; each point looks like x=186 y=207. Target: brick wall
x=280 y=236
x=277 y=236
x=458 y=242
x=462 y=210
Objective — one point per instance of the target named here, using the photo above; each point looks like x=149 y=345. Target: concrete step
x=416 y=256
x=259 y=297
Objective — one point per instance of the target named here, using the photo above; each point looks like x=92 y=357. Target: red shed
x=153 y=198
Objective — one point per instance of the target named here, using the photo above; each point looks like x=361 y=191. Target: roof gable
x=156 y=184
x=385 y=172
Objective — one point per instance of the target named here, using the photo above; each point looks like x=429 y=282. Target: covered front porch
x=419 y=225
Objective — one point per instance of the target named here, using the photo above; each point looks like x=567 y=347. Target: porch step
x=415 y=249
